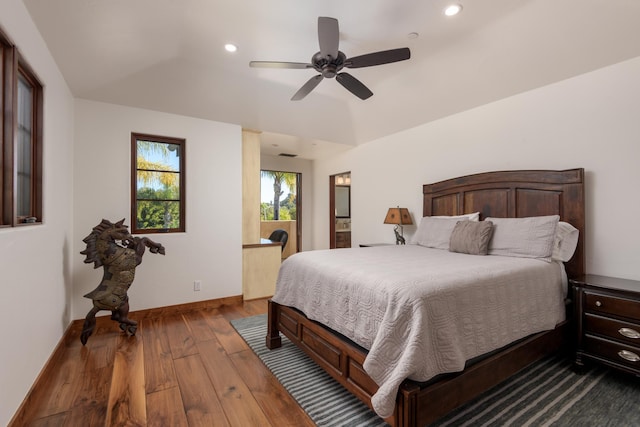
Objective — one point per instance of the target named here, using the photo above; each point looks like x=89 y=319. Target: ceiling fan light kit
x=329 y=62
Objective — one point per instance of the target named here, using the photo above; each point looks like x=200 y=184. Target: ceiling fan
x=329 y=61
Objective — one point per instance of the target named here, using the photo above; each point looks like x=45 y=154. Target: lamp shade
x=398 y=216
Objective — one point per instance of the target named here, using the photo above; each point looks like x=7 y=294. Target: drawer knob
x=629 y=333
x=629 y=355
x=598 y=304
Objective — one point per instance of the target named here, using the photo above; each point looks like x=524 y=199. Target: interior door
x=339 y=207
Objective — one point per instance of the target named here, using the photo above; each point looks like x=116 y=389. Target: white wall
x=211 y=248
x=304 y=167
x=589 y=121
x=35 y=260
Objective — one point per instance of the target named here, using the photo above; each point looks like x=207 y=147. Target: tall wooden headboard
x=515 y=194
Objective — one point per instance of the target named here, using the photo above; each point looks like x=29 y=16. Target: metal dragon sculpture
x=113 y=248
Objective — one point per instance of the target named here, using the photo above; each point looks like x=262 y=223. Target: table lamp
x=398 y=216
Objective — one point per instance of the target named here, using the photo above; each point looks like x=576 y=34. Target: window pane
x=280 y=186
x=158 y=156
x=24 y=148
x=158 y=185
x=158 y=215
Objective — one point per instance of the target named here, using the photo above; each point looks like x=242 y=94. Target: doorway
x=340 y=210
x=281 y=207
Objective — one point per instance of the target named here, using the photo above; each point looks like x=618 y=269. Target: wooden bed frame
x=496 y=194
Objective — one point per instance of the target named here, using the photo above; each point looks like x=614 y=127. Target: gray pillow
x=435 y=232
x=470 y=237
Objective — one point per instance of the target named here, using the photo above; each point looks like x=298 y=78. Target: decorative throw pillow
x=565 y=242
x=471 y=237
x=530 y=237
x=434 y=232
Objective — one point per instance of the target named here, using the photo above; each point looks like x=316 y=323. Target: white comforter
x=421 y=312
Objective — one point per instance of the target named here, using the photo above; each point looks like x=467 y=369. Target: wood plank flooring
x=180 y=369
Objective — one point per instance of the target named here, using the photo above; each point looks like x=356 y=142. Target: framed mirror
x=343 y=201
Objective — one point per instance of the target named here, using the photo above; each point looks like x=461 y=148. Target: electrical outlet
x=196 y=285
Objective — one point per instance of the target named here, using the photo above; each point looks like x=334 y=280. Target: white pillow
x=435 y=232
x=565 y=242
x=530 y=237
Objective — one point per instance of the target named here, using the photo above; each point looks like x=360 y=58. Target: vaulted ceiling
x=168 y=55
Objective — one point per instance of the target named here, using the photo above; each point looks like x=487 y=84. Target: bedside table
x=607 y=315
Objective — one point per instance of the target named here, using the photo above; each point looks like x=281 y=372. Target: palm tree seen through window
x=275 y=204
x=158 y=184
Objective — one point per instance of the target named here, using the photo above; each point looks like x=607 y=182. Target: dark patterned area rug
x=547 y=393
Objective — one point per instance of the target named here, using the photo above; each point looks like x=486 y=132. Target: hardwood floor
x=188 y=369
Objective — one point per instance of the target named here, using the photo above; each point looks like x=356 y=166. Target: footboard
x=417 y=404
x=339 y=358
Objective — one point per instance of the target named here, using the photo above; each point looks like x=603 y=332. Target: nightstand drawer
x=606 y=304
x=617 y=353
x=612 y=328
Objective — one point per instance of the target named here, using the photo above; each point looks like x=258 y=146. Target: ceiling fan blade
x=378 y=58
x=354 y=85
x=328 y=36
x=277 y=64
x=307 y=87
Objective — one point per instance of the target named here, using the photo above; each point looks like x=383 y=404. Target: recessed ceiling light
x=413 y=35
x=452 y=10
x=230 y=47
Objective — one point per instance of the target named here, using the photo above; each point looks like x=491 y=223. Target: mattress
x=420 y=311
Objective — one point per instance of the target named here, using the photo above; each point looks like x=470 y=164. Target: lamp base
x=399 y=238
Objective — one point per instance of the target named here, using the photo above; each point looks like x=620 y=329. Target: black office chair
x=280 y=235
